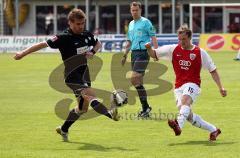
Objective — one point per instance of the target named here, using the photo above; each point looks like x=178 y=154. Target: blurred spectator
x=97 y=31
x=126 y=22
x=234 y=27
x=196 y=23
x=49 y=23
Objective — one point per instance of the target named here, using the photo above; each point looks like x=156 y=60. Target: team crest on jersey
x=192 y=56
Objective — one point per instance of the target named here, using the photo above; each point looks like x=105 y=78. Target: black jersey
x=72 y=48
x=70 y=44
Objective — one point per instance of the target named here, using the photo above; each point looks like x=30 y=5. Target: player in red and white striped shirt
x=188 y=60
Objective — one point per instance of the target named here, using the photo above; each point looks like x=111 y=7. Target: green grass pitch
x=28 y=120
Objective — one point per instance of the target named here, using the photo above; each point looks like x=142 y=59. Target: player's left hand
x=148 y=45
x=223 y=92
x=89 y=55
x=18 y=56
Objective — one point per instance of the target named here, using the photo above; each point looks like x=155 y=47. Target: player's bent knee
x=88 y=91
x=135 y=81
x=89 y=98
x=190 y=118
x=186 y=100
x=88 y=94
x=137 y=75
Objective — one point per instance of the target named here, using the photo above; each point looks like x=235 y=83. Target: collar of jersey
x=138 y=19
x=71 y=32
x=189 y=49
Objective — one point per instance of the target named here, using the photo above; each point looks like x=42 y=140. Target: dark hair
x=135 y=4
x=183 y=29
x=76 y=14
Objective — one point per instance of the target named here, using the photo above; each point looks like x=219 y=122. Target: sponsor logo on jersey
x=82 y=50
x=185 y=64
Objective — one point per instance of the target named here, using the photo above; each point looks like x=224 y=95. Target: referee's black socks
x=142 y=96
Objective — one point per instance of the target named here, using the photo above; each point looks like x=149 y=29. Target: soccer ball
x=119 y=97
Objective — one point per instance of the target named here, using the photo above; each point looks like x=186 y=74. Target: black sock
x=142 y=96
x=72 y=117
x=100 y=108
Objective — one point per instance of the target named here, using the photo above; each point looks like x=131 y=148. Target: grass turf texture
x=28 y=119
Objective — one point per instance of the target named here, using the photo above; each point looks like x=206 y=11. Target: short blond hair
x=183 y=29
x=76 y=14
x=135 y=4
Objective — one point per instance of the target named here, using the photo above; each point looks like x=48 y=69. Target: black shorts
x=78 y=80
x=139 y=60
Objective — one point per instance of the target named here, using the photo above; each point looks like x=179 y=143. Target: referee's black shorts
x=139 y=60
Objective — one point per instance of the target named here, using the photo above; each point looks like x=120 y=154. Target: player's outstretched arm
x=217 y=80
x=33 y=48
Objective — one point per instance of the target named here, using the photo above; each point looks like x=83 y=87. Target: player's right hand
x=18 y=56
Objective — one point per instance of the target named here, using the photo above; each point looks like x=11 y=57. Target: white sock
x=183 y=115
x=197 y=121
x=238 y=55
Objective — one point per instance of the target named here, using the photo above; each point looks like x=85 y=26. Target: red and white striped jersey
x=187 y=64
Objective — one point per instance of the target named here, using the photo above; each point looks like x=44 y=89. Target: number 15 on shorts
x=190 y=90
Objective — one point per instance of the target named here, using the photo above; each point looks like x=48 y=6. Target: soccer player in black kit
x=74 y=45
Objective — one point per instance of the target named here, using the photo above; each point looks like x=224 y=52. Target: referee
x=140 y=31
